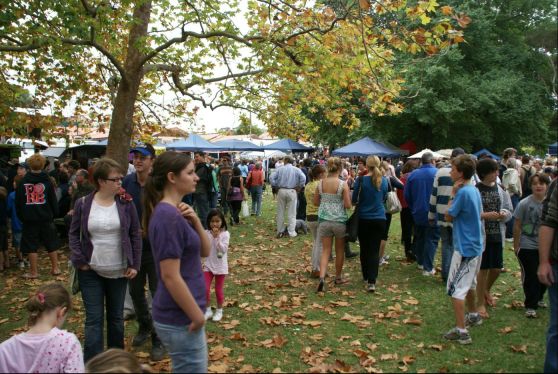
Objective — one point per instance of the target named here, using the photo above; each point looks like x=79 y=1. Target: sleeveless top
x=331 y=205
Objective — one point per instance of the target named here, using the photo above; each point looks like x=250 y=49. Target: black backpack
x=525 y=182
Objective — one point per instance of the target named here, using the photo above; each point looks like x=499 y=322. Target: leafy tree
x=120 y=56
x=246 y=127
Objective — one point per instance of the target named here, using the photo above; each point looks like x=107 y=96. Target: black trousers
x=235 y=205
x=407 y=229
x=370 y=234
x=301 y=206
x=533 y=289
x=146 y=274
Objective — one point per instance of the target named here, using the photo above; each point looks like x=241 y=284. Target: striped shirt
x=439 y=199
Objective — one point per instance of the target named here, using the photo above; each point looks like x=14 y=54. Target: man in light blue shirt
x=288 y=180
x=243 y=169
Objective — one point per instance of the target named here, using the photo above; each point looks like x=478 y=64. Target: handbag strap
x=359 y=189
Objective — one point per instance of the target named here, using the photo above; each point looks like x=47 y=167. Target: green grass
x=275 y=320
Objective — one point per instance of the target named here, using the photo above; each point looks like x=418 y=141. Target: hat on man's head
x=457 y=152
x=145 y=149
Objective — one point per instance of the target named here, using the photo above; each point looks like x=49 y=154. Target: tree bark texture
x=120 y=134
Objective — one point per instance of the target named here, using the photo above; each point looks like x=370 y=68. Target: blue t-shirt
x=172 y=237
x=371 y=204
x=16 y=223
x=132 y=186
x=466 y=211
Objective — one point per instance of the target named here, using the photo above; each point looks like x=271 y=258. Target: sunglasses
x=119 y=179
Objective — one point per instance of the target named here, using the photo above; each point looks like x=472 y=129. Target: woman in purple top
x=178 y=241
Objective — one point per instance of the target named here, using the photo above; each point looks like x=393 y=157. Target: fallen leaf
x=388 y=356
x=4 y=320
x=407 y=360
x=403 y=368
x=372 y=346
x=411 y=301
x=436 y=347
x=412 y=321
x=313 y=324
x=519 y=348
x=276 y=370
x=231 y=325
x=218 y=352
x=316 y=337
x=506 y=330
x=247 y=369
x=344 y=337
x=218 y=368
x=355 y=343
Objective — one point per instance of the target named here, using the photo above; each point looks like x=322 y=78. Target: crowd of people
x=164 y=224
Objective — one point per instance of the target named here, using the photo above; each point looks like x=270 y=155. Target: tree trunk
x=120 y=134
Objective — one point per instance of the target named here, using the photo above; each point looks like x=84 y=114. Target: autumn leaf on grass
x=342 y=367
x=312 y=324
x=372 y=346
x=344 y=337
x=316 y=337
x=411 y=301
x=389 y=356
x=231 y=325
x=519 y=348
x=277 y=341
x=218 y=368
x=247 y=369
x=355 y=343
x=412 y=321
x=364 y=358
x=436 y=347
x=407 y=360
x=340 y=303
x=238 y=336
x=218 y=353
x=506 y=330
x=4 y=320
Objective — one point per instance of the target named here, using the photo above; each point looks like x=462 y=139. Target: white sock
x=461 y=330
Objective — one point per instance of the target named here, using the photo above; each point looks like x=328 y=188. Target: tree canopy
x=151 y=62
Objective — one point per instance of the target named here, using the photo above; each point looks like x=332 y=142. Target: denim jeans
x=188 y=350
x=95 y=291
x=146 y=274
x=201 y=205
x=446 y=234
x=256 y=193
x=426 y=244
x=551 y=359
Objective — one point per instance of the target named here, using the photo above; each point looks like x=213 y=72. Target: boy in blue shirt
x=465 y=208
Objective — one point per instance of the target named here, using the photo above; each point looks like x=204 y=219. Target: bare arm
x=179 y=291
x=346 y=197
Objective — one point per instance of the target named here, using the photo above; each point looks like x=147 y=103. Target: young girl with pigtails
x=44 y=348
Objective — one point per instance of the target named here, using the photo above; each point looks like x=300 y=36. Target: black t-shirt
x=491 y=203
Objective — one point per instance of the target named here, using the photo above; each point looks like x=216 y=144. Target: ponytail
x=48 y=297
x=373 y=166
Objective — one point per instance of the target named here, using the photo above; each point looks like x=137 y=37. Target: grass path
x=274 y=320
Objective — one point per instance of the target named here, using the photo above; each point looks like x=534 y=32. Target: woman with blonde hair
x=332 y=198
x=370 y=192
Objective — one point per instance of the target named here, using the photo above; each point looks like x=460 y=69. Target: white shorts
x=462 y=275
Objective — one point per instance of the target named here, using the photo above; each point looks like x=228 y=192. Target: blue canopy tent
x=193 y=143
x=553 y=149
x=287 y=145
x=236 y=145
x=366 y=147
x=487 y=152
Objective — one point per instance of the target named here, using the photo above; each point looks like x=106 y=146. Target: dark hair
x=525 y=159
x=464 y=164
x=542 y=178
x=236 y=172
x=167 y=162
x=485 y=167
x=48 y=297
x=18 y=178
x=63 y=177
x=316 y=171
x=103 y=168
x=409 y=166
x=74 y=164
x=199 y=153
x=217 y=212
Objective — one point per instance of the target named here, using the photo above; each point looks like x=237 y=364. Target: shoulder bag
x=352 y=222
x=392 y=204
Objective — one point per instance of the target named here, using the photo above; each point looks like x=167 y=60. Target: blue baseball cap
x=144 y=149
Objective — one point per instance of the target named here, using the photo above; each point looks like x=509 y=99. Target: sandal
x=29 y=276
x=341 y=281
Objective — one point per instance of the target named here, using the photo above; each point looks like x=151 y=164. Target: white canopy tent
x=436 y=155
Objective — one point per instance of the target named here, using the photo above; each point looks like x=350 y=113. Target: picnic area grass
x=274 y=321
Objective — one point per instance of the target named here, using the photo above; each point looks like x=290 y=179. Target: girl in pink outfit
x=44 y=348
x=216 y=264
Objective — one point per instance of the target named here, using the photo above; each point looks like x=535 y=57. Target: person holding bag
x=372 y=218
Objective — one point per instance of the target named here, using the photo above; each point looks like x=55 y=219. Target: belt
x=286 y=188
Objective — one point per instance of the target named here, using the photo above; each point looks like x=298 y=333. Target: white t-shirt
x=107 y=259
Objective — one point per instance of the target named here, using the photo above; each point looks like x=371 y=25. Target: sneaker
x=542 y=304
x=473 y=319
x=280 y=235
x=430 y=273
x=383 y=261
x=218 y=315
x=157 y=352
x=386 y=257
x=208 y=313
x=531 y=313
x=371 y=287
x=141 y=337
x=458 y=336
